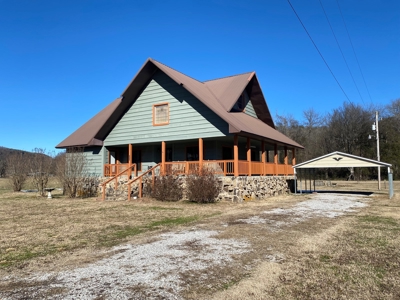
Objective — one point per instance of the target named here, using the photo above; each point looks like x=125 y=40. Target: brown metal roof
x=219 y=95
x=228 y=89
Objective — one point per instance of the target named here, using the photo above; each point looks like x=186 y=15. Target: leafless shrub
x=167 y=188
x=17 y=170
x=71 y=170
x=40 y=166
x=202 y=186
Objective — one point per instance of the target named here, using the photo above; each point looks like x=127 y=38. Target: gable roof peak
x=158 y=62
x=226 y=77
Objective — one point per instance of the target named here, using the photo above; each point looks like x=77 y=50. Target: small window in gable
x=160 y=114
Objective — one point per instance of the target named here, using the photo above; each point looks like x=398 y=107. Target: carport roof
x=340 y=160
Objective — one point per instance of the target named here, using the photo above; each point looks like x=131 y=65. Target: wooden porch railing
x=125 y=171
x=140 y=179
x=226 y=167
x=114 y=169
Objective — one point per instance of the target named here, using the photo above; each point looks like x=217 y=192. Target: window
x=160 y=114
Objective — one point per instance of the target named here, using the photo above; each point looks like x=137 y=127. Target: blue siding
x=95 y=160
x=189 y=118
x=249 y=110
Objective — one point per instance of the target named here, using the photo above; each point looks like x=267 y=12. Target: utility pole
x=377 y=148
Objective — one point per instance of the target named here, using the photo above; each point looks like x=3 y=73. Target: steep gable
x=188 y=118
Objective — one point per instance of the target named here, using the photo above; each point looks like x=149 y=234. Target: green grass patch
x=162 y=208
x=379 y=220
x=325 y=258
x=114 y=234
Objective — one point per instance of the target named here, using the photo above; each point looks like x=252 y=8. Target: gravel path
x=154 y=270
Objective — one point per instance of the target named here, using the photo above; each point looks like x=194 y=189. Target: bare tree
x=40 y=168
x=348 y=130
x=17 y=170
x=3 y=165
x=71 y=170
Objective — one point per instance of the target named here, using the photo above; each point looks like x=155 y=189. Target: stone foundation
x=245 y=188
x=235 y=189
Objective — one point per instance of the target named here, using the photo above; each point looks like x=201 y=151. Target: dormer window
x=160 y=114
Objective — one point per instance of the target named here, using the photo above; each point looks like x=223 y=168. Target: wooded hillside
x=347 y=129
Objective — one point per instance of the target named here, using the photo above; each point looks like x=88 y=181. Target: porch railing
x=226 y=167
x=114 y=169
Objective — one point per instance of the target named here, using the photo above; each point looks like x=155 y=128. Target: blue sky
x=63 y=61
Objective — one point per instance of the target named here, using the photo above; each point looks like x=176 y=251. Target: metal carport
x=343 y=160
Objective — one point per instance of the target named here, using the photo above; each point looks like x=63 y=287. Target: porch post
x=200 y=153
x=276 y=158
x=263 y=156
x=249 y=155
x=293 y=156
x=286 y=161
x=130 y=160
x=235 y=156
x=163 y=147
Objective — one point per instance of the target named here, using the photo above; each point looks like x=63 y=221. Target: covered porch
x=228 y=156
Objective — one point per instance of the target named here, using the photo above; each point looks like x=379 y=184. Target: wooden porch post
x=293 y=156
x=286 y=161
x=263 y=157
x=249 y=155
x=163 y=150
x=200 y=153
x=235 y=156
x=276 y=158
x=130 y=160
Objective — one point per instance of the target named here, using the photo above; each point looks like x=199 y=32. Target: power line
x=304 y=27
x=337 y=42
x=362 y=75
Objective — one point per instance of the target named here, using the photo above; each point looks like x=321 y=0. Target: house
x=164 y=116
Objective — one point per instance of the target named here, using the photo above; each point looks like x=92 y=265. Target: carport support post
x=390 y=177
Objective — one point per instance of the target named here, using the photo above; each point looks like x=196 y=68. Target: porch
x=230 y=156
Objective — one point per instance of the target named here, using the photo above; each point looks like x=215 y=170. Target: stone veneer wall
x=236 y=189
x=244 y=188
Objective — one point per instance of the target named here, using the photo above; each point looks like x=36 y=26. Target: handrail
x=140 y=178
x=115 y=178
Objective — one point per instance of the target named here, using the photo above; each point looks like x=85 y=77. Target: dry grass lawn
x=356 y=256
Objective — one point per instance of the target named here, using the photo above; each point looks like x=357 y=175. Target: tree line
x=39 y=166
x=348 y=129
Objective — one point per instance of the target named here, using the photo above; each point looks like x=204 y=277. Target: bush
x=167 y=188
x=17 y=170
x=202 y=186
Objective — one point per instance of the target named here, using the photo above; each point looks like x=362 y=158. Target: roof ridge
x=176 y=70
x=228 y=76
